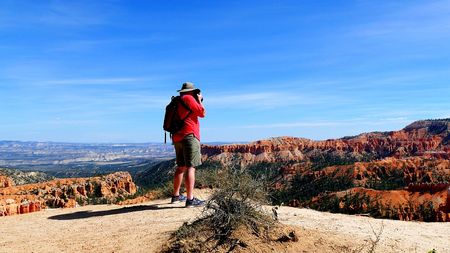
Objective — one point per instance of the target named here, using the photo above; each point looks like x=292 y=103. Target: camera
x=196 y=92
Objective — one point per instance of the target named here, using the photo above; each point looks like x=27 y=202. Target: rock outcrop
x=5 y=181
x=111 y=188
x=19 y=177
x=410 y=171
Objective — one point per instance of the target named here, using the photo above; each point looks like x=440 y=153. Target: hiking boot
x=195 y=202
x=176 y=199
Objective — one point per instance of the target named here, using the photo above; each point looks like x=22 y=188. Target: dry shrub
x=372 y=243
x=238 y=201
x=233 y=218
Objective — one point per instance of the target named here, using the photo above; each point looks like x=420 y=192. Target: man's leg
x=193 y=159
x=190 y=182
x=177 y=179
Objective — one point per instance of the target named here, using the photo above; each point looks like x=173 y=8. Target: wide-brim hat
x=186 y=87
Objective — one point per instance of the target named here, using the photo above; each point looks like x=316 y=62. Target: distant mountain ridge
x=430 y=137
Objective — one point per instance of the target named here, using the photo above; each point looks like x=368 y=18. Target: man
x=187 y=144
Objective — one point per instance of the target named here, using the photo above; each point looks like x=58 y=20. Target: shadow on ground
x=89 y=214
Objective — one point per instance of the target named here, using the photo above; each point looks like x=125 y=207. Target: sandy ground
x=146 y=227
x=350 y=230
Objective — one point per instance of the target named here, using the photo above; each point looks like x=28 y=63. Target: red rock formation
x=5 y=181
x=412 y=171
x=147 y=197
x=418 y=139
x=428 y=187
x=65 y=193
x=399 y=204
x=11 y=206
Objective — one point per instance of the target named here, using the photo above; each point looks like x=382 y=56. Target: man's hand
x=199 y=98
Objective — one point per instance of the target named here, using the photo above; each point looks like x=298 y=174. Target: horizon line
x=224 y=142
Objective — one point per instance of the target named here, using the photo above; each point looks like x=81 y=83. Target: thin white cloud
x=425 y=20
x=96 y=81
x=51 y=123
x=88 y=44
x=265 y=100
x=312 y=123
x=56 y=14
x=87 y=106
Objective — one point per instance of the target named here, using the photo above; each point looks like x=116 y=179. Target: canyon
x=401 y=174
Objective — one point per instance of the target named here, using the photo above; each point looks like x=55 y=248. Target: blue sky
x=103 y=71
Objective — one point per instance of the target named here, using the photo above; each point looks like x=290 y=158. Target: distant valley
x=81 y=159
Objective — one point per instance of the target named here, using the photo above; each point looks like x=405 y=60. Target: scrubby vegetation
x=350 y=203
x=233 y=214
x=156 y=176
x=392 y=181
x=306 y=186
x=160 y=176
x=320 y=160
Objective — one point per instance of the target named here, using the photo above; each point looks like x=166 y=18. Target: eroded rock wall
x=66 y=193
x=5 y=181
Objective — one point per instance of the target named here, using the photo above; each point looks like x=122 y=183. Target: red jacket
x=191 y=124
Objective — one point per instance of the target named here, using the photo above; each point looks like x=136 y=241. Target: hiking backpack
x=172 y=120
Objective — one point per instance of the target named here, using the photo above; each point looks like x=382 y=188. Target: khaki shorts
x=188 y=152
